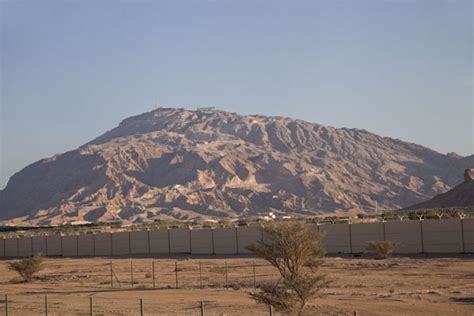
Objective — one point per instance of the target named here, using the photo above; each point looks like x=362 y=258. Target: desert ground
x=415 y=285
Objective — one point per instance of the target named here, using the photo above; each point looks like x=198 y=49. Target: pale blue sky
x=73 y=70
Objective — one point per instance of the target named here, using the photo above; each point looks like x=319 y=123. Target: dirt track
x=398 y=286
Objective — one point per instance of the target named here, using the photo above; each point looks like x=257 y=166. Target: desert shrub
x=295 y=249
x=236 y=286
x=383 y=249
x=27 y=267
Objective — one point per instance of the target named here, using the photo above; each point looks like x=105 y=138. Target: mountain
x=207 y=163
x=460 y=196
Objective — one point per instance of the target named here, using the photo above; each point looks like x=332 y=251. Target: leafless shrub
x=294 y=248
x=383 y=249
x=27 y=267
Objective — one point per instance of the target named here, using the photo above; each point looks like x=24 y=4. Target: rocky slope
x=185 y=164
x=460 y=196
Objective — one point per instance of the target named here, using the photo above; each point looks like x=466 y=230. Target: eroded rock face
x=460 y=196
x=186 y=164
x=469 y=175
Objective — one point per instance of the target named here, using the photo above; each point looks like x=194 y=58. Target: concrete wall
x=54 y=245
x=468 y=229
x=2 y=247
x=335 y=238
x=103 y=244
x=442 y=236
x=139 y=242
x=70 y=246
x=429 y=236
x=159 y=241
x=11 y=247
x=180 y=240
x=121 y=243
x=25 y=247
x=39 y=245
x=86 y=245
x=247 y=235
x=361 y=234
x=201 y=241
x=225 y=240
x=407 y=234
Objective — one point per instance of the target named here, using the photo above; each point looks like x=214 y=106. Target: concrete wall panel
x=11 y=247
x=335 y=238
x=54 y=245
x=70 y=246
x=103 y=245
x=120 y=243
x=468 y=227
x=442 y=236
x=159 y=242
x=363 y=233
x=246 y=236
x=86 y=245
x=180 y=240
x=225 y=240
x=39 y=245
x=25 y=247
x=139 y=242
x=407 y=234
x=201 y=241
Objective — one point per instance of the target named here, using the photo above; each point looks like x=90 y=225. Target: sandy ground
x=398 y=286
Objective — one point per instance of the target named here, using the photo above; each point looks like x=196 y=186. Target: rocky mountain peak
x=185 y=164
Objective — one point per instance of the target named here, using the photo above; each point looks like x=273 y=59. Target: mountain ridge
x=460 y=196
x=172 y=162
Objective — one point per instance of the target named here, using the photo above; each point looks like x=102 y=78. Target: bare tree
x=295 y=249
x=27 y=267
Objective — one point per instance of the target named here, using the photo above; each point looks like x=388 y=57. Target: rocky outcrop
x=469 y=176
x=186 y=164
x=460 y=196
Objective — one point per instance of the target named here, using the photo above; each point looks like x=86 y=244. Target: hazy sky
x=74 y=70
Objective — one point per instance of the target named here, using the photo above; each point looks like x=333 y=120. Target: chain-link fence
x=115 y=287
x=185 y=274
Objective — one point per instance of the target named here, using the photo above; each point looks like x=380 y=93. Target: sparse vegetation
x=383 y=249
x=27 y=267
x=236 y=286
x=295 y=250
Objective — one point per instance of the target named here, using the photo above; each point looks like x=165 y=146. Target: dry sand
x=415 y=285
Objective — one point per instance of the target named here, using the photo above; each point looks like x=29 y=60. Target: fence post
x=176 y=272
x=46 y=305
x=422 y=237
x=202 y=308
x=226 y=276
x=350 y=236
x=91 y=308
x=254 y=276
x=200 y=274
x=384 y=235
x=462 y=236
x=153 y=273
x=6 y=304
x=142 y=307
x=270 y=310
x=131 y=273
x=111 y=275
x=355 y=313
